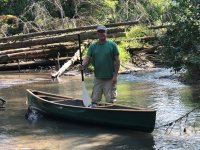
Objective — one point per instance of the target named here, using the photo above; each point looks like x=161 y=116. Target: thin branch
x=177 y=120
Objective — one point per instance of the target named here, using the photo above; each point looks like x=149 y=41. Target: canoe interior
x=79 y=103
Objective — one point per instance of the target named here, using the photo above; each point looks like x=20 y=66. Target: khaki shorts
x=104 y=87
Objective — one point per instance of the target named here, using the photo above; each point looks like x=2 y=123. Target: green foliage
x=13 y=7
x=95 y=12
x=138 y=31
x=87 y=12
x=158 y=9
x=181 y=41
x=124 y=55
x=134 y=43
x=155 y=11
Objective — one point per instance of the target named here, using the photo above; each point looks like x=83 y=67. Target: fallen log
x=49 y=46
x=38 y=54
x=57 y=39
x=148 y=50
x=158 y=27
x=132 y=50
x=64 y=31
x=145 y=38
x=31 y=64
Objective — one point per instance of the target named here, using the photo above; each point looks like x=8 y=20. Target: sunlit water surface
x=158 y=89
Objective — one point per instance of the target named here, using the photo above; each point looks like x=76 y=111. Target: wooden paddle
x=85 y=96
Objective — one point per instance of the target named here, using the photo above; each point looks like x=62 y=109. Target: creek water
x=158 y=89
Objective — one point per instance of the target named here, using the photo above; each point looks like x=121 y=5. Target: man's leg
x=97 y=91
x=110 y=91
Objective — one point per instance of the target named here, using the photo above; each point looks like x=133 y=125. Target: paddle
x=85 y=96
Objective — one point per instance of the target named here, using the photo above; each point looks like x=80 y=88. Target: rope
x=173 y=122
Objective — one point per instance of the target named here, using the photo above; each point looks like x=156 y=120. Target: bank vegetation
x=43 y=33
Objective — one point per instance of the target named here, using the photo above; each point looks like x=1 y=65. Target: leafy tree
x=181 y=41
x=157 y=10
x=147 y=10
x=13 y=7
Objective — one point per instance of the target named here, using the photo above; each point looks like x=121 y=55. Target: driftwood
x=70 y=62
x=57 y=39
x=48 y=33
x=66 y=65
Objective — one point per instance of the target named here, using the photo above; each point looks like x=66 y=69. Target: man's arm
x=86 y=61
x=117 y=65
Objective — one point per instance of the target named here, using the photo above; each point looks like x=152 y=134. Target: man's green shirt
x=103 y=58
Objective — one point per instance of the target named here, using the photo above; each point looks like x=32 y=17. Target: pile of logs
x=49 y=48
x=53 y=48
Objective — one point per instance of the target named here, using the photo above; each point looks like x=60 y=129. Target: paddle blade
x=85 y=96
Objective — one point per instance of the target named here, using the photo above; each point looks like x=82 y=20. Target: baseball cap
x=101 y=27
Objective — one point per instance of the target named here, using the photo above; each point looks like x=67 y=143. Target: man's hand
x=81 y=67
x=114 y=80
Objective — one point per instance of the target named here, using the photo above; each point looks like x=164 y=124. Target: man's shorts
x=106 y=88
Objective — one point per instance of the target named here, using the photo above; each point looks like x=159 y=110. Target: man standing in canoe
x=104 y=55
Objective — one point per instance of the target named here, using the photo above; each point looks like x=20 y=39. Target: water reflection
x=33 y=115
x=158 y=89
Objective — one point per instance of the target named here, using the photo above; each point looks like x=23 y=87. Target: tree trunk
x=30 y=64
x=143 y=49
x=66 y=65
x=69 y=63
x=57 y=39
x=38 y=54
x=35 y=48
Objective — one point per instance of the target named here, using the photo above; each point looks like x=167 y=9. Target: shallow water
x=158 y=89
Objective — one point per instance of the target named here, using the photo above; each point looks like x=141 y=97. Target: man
x=104 y=55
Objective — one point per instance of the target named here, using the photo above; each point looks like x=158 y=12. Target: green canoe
x=136 y=118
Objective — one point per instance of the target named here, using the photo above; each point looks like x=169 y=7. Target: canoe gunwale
x=125 y=108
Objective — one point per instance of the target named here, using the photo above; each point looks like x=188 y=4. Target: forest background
x=177 y=46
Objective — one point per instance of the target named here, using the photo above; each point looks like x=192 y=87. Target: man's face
x=102 y=35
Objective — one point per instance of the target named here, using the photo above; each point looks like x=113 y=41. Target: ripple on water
x=162 y=77
x=5 y=83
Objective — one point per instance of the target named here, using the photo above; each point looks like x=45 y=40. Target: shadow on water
x=86 y=136
x=51 y=133
x=90 y=136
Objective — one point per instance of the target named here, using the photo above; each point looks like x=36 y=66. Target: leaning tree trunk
x=70 y=62
x=66 y=65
